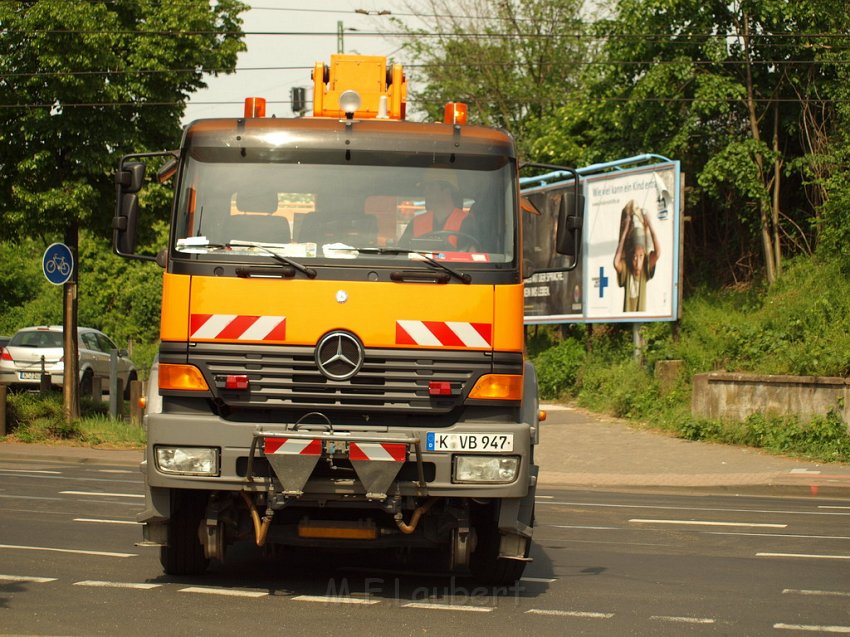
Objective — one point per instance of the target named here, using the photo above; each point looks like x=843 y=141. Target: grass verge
x=36 y=418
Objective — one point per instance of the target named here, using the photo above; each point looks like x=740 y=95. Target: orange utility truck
x=341 y=360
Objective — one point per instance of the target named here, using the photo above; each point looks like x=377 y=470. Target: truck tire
x=184 y=554
x=486 y=566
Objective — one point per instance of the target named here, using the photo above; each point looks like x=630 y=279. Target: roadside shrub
x=823 y=438
x=557 y=368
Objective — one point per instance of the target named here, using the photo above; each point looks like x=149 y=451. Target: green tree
x=85 y=81
x=510 y=60
x=743 y=92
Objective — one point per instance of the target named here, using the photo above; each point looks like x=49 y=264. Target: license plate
x=436 y=441
x=29 y=375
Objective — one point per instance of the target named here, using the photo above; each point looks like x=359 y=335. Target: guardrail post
x=115 y=396
x=2 y=410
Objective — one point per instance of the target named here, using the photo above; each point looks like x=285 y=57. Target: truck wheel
x=485 y=563
x=184 y=554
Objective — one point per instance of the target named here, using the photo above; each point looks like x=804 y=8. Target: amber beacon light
x=455 y=113
x=255 y=107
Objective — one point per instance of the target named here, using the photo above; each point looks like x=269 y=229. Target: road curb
x=77 y=455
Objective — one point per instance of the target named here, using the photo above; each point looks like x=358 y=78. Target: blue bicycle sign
x=57 y=263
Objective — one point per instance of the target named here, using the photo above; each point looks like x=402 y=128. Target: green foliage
x=557 y=367
x=698 y=81
x=34 y=418
x=823 y=438
x=94 y=80
x=516 y=75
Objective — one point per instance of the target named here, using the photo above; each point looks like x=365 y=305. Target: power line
x=683 y=38
x=642 y=100
x=449 y=66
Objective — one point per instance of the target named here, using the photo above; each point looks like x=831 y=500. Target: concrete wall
x=721 y=395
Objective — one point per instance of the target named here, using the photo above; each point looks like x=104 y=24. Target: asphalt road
x=606 y=563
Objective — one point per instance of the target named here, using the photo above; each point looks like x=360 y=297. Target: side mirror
x=130 y=177
x=570 y=221
x=125 y=223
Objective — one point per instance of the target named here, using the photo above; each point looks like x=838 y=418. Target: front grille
x=282 y=376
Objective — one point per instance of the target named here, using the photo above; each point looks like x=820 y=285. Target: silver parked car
x=21 y=359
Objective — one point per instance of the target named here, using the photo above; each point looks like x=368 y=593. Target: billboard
x=629 y=270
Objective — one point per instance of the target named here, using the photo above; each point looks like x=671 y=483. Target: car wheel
x=87 y=383
x=130 y=378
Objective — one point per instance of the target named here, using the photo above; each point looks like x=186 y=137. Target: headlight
x=495 y=469
x=187 y=461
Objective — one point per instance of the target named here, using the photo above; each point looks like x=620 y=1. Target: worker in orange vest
x=443 y=209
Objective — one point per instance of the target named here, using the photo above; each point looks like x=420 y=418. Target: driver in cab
x=444 y=214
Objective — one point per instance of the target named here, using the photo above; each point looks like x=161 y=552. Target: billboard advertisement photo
x=631 y=244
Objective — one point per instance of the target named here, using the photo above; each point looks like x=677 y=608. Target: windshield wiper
x=463 y=277
x=238 y=243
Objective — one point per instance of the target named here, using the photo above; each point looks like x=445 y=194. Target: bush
x=557 y=368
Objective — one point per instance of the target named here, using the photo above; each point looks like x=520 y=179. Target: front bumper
x=423 y=474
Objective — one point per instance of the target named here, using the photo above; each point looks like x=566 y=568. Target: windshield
x=39 y=339
x=310 y=206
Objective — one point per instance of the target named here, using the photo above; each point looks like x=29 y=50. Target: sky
x=271 y=52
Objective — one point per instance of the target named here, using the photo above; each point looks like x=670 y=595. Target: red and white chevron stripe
x=444 y=334
x=386 y=452
x=292 y=446
x=237 y=327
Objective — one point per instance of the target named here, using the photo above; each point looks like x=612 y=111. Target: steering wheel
x=464 y=240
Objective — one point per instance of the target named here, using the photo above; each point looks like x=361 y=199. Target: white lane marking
x=114 y=495
x=26 y=579
x=538 y=580
x=332 y=599
x=807 y=472
x=574 y=526
x=683 y=620
x=707 y=523
x=814 y=629
x=797 y=591
x=673 y=508
x=544 y=497
x=551 y=407
x=106 y=521
x=29 y=497
x=56 y=473
x=823 y=506
x=457 y=607
x=805 y=537
x=569 y=613
x=55 y=550
x=115 y=471
x=208 y=590
x=805 y=555
x=101 y=584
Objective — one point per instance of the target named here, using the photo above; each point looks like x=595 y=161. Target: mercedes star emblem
x=339 y=355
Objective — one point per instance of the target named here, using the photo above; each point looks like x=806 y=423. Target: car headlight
x=493 y=469
x=187 y=461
